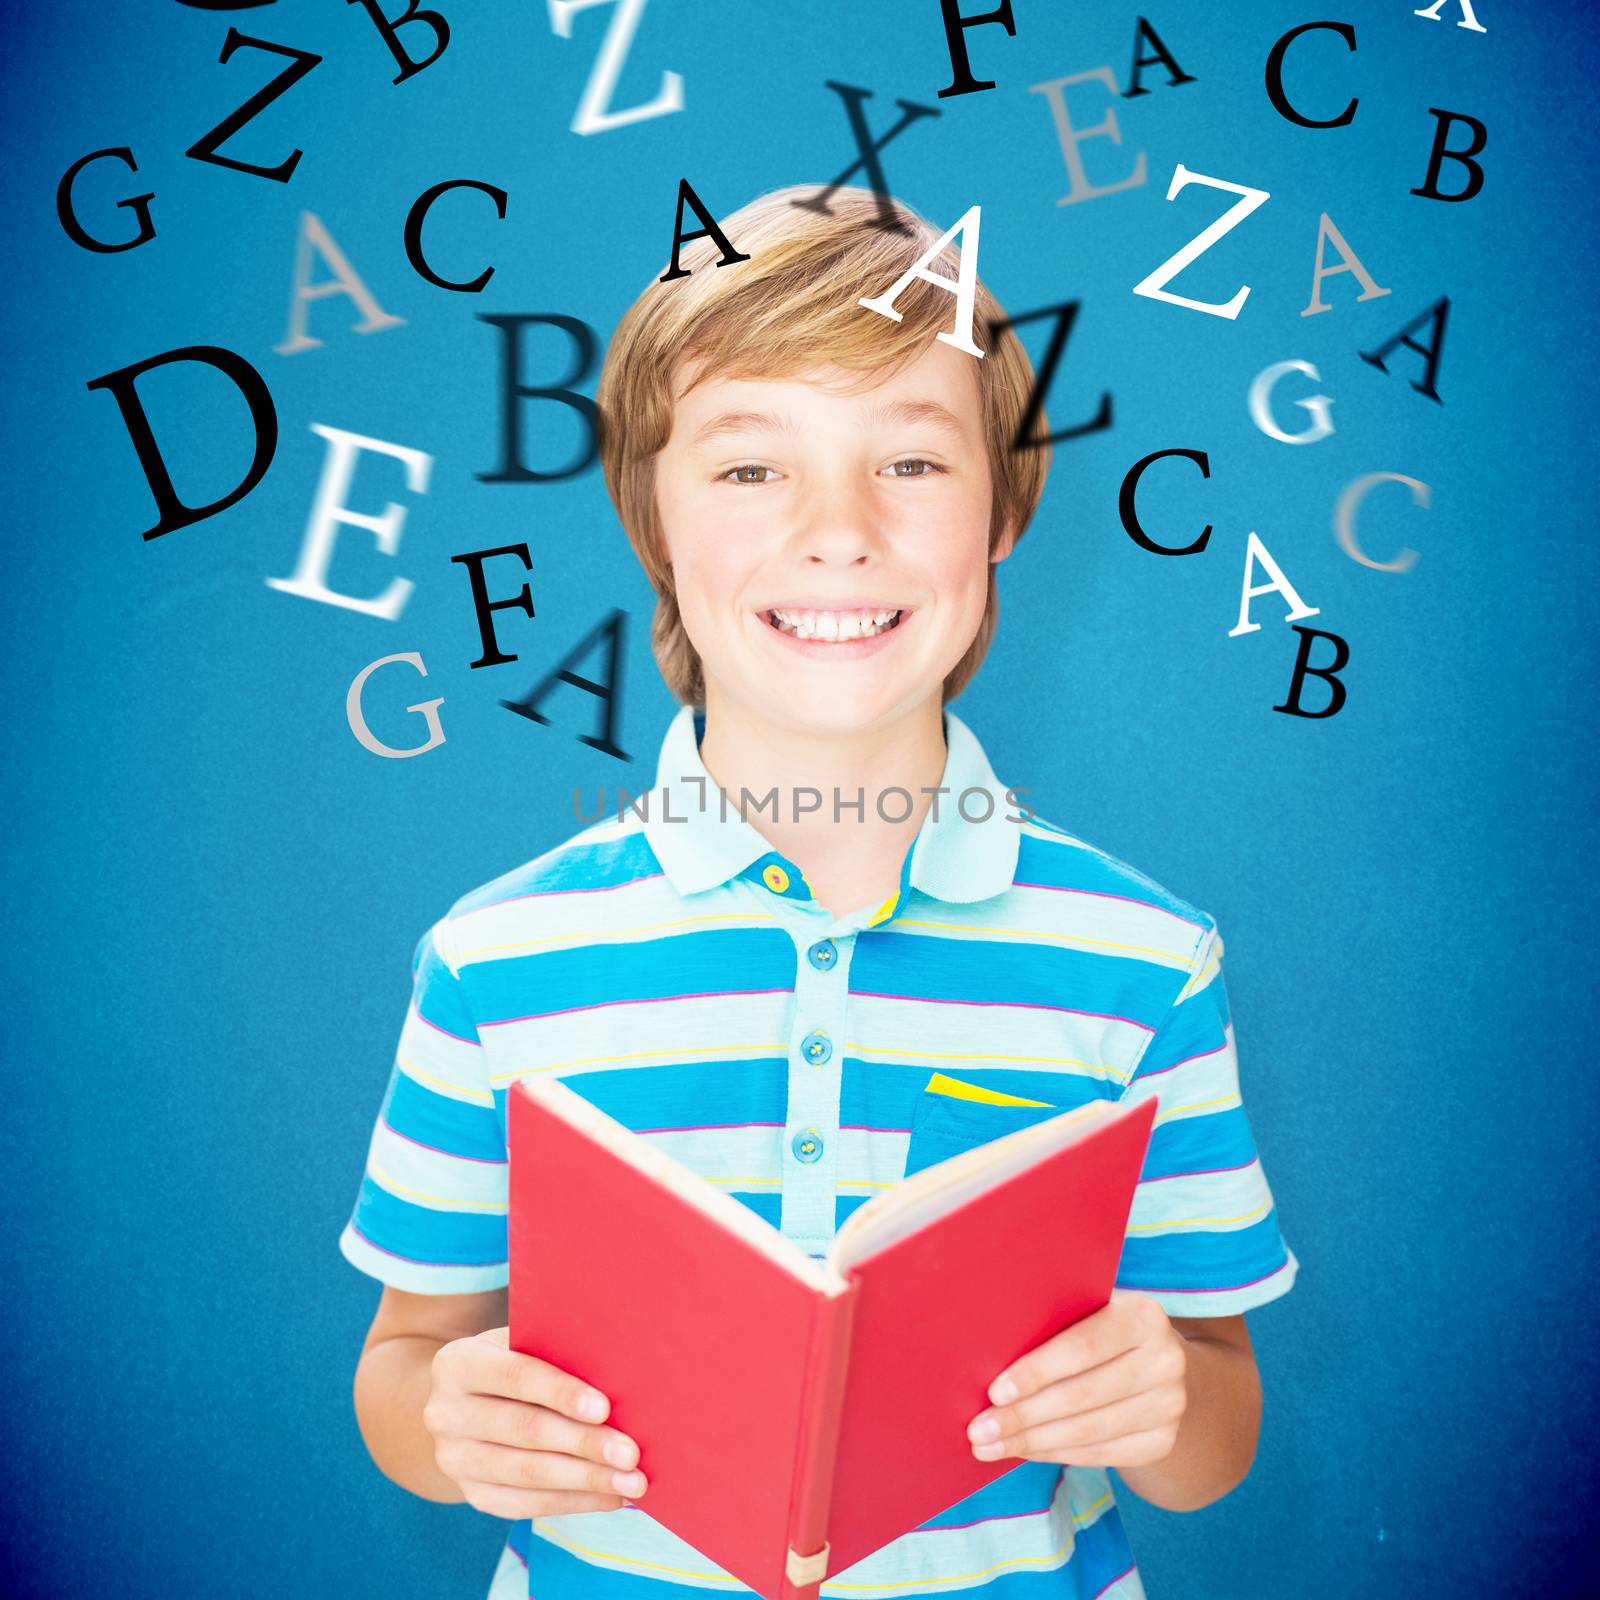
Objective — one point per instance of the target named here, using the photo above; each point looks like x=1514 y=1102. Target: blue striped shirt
x=675 y=970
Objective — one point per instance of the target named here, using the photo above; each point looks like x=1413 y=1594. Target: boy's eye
x=746 y=474
x=920 y=468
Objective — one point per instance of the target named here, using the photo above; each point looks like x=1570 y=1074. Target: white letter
x=1261 y=404
x=1152 y=288
x=1352 y=263
x=311 y=576
x=1467 y=18
x=428 y=708
x=1344 y=518
x=1071 y=138
x=1256 y=551
x=959 y=337
x=314 y=236
x=593 y=115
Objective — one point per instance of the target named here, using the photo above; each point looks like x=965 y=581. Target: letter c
x=1344 y=518
x=1130 y=517
x=1275 y=92
x=413 y=232
x=428 y=708
x=1261 y=404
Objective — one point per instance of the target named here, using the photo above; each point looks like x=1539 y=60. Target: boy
x=764 y=986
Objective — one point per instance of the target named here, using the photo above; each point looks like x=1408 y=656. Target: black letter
x=1302 y=671
x=1275 y=75
x=481 y=603
x=301 y=62
x=887 y=216
x=710 y=231
x=414 y=219
x=1439 y=310
x=512 y=469
x=955 y=33
x=1439 y=155
x=69 y=218
x=263 y=419
x=1130 y=517
x=609 y=691
x=1162 y=54
x=1065 y=314
x=408 y=67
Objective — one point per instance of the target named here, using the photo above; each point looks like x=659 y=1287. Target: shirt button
x=816 y=1047
x=775 y=878
x=807 y=1145
x=823 y=954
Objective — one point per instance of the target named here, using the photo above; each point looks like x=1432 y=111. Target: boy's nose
x=839 y=523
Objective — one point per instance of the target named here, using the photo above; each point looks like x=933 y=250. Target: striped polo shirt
x=672 y=968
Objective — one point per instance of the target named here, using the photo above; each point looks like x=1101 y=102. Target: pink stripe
x=1020 y=1005
x=1202 y=1172
x=1223 y=1288
x=710 y=1127
x=487 y=1161
x=1101 y=894
x=417 y=1260
x=541 y=894
x=1143 y=1076
x=979 y=1522
x=1118 y=1579
x=641 y=1000
x=445 y=1031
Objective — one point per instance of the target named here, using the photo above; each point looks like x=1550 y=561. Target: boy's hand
x=1107 y=1392
x=510 y=1430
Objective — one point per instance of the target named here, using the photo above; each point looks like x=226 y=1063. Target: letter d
x=263 y=419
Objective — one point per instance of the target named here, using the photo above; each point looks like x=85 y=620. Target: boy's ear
x=1008 y=538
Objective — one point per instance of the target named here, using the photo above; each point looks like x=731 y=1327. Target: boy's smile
x=829 y=540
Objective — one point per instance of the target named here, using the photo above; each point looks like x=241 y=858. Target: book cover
x=765 y=1388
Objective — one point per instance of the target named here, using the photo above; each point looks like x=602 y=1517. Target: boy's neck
x=849 y=860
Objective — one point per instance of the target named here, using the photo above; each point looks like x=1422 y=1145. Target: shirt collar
x=702 y=841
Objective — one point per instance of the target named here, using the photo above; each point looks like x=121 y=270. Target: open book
x=794 y=1415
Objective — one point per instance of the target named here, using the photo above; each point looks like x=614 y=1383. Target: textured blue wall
x=214 y=890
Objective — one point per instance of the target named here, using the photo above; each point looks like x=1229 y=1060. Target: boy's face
x=788 y=493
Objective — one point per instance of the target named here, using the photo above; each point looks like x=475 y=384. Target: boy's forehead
x=939 y=377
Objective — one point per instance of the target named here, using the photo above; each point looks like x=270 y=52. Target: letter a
x=964 y=289
x=1256 y=551
x=1467 y=18
x=1153 y=287
x=1352 y=263
x=314 y=236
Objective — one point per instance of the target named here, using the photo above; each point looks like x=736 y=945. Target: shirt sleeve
x=430 y=1215
x=1203 y=1236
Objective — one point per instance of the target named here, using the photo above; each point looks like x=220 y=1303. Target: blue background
x=215 y=891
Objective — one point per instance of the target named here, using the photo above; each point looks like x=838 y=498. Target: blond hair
x=790 y=309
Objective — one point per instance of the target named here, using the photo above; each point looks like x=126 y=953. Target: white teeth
x=834 y=625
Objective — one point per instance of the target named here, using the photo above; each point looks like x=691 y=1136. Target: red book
x=794 y=1415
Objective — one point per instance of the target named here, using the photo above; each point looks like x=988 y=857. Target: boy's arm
x=1221 y=1422
x=394 y=1378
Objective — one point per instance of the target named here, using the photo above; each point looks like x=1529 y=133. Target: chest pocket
x=951 y=1116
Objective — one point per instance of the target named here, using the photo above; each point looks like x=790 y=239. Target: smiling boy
x=827 y=898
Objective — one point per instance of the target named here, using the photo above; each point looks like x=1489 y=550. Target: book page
x=925 y=1195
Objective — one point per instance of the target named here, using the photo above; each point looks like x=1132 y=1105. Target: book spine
x=821 y=1416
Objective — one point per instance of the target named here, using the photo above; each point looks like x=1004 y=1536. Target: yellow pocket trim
x=941 y=1083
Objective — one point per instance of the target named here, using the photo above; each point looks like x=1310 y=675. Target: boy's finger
x=546 y=1469
x=529 y=1378
x=535 y=1427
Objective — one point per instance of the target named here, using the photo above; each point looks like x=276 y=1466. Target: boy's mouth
x=839 y=626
